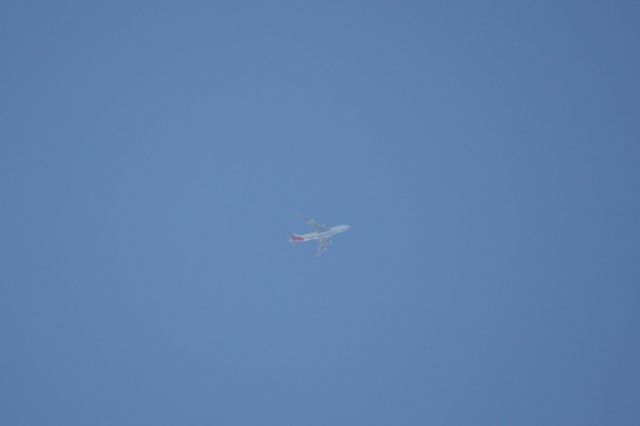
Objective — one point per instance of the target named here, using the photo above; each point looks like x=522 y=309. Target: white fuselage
x=325 y=234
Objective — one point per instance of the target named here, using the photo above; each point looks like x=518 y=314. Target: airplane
x=322 y=233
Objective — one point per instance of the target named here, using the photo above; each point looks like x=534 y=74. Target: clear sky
x=153 y=156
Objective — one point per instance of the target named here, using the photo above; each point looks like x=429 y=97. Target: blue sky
x=153 y=156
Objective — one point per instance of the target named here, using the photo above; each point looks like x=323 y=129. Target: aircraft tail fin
x=295 y=238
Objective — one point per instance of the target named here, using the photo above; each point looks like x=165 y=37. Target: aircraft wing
x=317 y=226
x=324 y=245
